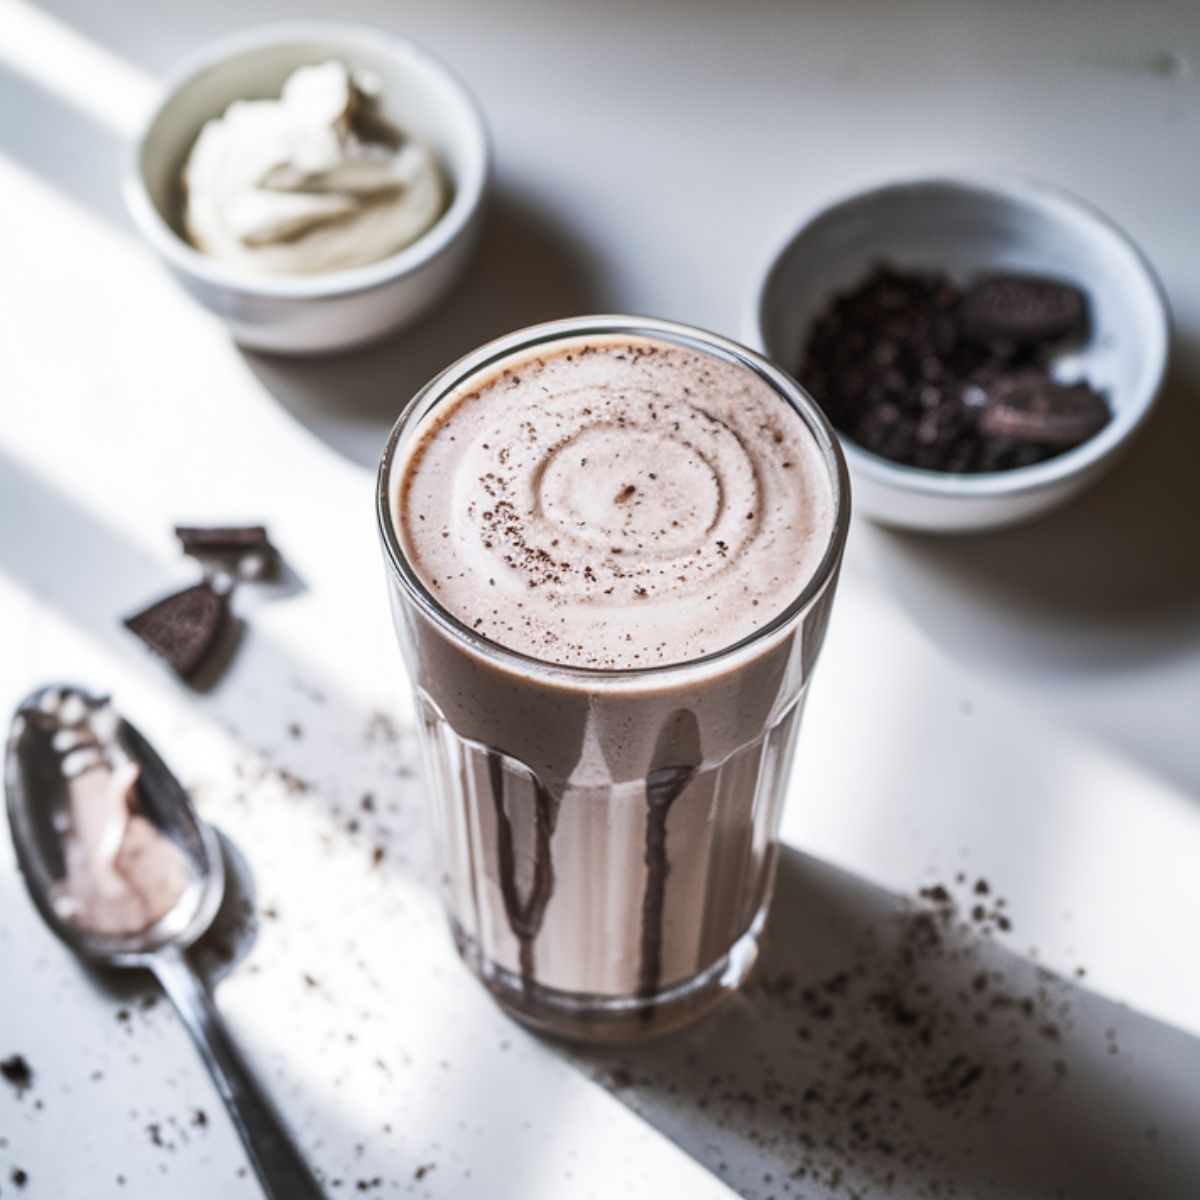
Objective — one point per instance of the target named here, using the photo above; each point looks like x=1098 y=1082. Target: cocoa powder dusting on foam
x=612 y=504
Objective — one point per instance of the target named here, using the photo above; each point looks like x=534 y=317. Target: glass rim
x=454 y=376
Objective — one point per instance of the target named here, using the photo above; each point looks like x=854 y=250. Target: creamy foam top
x=614 y=502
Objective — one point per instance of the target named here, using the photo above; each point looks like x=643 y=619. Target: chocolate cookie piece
x=244 y=550
x=183 y=627
x=1032 y=408
x=1019 y=312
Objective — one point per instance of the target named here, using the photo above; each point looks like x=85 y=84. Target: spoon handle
x=280 y=1168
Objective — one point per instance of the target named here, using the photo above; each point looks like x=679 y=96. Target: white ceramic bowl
x=334 y=311
x=965 y=225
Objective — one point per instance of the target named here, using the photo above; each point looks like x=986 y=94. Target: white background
x=1024 y=705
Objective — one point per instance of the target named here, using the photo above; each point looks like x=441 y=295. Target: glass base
x=587 y=1017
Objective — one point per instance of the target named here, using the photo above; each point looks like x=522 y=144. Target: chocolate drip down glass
x=606 y=838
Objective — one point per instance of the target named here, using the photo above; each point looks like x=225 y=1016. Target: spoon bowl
x=38 y=815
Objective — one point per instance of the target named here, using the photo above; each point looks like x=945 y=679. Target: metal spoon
x=45 y=732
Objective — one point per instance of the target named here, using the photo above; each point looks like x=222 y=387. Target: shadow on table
x=72 y=149
x=528 y=268
x=893 y=1048
x=1107 y=587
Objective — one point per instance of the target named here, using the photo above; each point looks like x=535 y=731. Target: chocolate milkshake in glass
x=612 y=546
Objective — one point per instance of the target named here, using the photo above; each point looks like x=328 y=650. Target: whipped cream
x=312 y=182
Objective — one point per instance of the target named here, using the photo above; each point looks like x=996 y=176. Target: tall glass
x=606 y=839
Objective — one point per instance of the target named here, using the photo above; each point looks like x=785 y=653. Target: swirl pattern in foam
x=614 y=502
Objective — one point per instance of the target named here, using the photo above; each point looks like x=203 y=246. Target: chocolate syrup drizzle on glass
x=679 y=744
x=674 y=765
x=663 y=786
x=524 y=916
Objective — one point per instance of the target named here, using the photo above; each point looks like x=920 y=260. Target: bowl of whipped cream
x=316 y=185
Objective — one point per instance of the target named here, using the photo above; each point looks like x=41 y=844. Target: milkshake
x=613 y=545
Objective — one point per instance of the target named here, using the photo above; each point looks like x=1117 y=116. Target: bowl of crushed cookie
x=986 y=346
x=316 y=185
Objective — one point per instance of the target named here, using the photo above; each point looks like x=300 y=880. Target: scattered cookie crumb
x=17 y=1072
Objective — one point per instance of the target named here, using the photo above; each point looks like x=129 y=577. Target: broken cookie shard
x=183 y=627
x=1037 y=410
x=245 y=550
x=1021 y=311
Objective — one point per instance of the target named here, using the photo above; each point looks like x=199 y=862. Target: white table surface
x=1024 y=705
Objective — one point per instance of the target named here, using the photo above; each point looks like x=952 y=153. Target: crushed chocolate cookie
x=921 y=372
